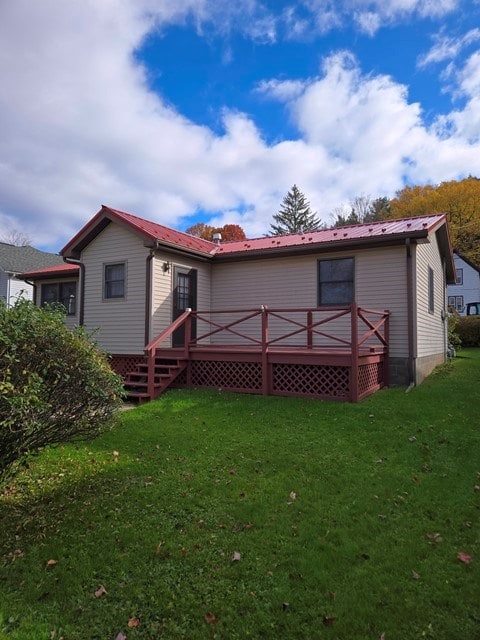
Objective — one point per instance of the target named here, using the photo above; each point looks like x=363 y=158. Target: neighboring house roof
x=58 y=271
x=15 y=259
x=469 y=262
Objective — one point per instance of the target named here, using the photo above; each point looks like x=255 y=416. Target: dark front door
x=184 y=297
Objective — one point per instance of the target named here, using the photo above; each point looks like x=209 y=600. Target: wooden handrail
x=166 y=333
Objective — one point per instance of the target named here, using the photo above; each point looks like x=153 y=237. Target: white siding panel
x=19 y=289
x=430 y=326
x=380 y=283
x=120 y=323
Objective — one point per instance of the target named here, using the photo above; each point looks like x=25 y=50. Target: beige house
x=133 y=278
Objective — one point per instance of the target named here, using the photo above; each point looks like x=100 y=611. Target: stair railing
x=151 y=348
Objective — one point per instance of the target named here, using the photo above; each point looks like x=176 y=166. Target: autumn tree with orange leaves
x=206 y=231
x=459 y=199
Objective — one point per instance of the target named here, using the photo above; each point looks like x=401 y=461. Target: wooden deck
x=346 y=362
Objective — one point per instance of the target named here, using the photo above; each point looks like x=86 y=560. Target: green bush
x=468 y=329
x=55 y=385
x=454 y=339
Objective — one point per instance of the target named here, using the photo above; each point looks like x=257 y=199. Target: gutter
x=410 y=315
x=148 y=291
x=81 y=310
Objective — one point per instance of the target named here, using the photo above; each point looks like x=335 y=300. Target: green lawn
x=232 y=516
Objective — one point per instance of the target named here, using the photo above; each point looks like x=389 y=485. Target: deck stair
x=165 y=372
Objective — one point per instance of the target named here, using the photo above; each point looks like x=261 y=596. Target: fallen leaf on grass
x=210 y=618
x=157 y=550
x=115 y=455
x=434 y=538
x=293 y=496
x=100 y=591
x=464 y=557
x=328 y=620
x=133 y=622
x=121 y=636
x=382 y=637
x=415 y=575
x=51 y=564
x=18 y=553
x=236 y=556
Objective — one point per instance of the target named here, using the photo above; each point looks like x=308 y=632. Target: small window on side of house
x=431 y=291
x=114 y=281
x=336 y=281
x=458 y=276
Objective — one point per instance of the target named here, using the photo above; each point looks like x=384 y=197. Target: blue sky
x=211 y=110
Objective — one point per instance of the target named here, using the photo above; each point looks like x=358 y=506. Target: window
x=114 y=281
x=431 y=298
x=64 y=293
x=335 y=281
x=455 y=303
x=459 y=276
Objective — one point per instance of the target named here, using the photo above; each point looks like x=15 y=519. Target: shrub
x=454 y=339
x=55 y=384
x=468 y=329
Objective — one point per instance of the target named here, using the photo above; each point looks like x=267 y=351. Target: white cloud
x=446 y=47
x=283 y=90
x=79 y=126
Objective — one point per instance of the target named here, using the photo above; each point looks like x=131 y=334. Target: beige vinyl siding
x=431 y=338
x=70 y=321
x=120 y=322
x=162 y=289
x=380 y=283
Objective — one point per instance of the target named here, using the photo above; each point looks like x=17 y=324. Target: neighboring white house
x=467 y=287
x=15 y=260
x=136 y=276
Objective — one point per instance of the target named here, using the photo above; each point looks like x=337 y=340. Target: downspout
x=148 y=291
x=410 y=317
x=82 y=287
x=444 y=310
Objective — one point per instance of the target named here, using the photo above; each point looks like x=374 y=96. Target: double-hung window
x=336 y=281
x=64 y=293
x=114 y=280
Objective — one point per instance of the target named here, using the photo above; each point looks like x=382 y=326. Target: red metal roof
x=383 y=229
x=151 y=230
x=157 y=232
x=60 y=270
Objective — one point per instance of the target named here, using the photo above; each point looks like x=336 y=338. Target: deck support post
x=354 y=352
x=265 y=367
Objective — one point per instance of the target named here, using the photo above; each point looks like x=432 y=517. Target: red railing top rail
x=166 y=333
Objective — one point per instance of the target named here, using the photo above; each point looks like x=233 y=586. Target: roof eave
x=322 y=247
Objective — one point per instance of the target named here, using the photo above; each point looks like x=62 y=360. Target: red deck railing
x=349 y=330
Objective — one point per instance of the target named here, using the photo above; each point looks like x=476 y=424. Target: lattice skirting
x=311 y=380
x=245 y=376
x=370 y=377
x=122 y=364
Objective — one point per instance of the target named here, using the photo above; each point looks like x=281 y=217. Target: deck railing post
x=354 y=352
x=386 y=357
x=151 y=373
x=309 y=329
x=186 y=346
x=265 y=369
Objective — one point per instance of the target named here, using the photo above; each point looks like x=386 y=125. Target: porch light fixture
x=166 y=267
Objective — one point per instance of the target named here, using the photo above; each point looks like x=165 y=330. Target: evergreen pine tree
x=295 y=215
